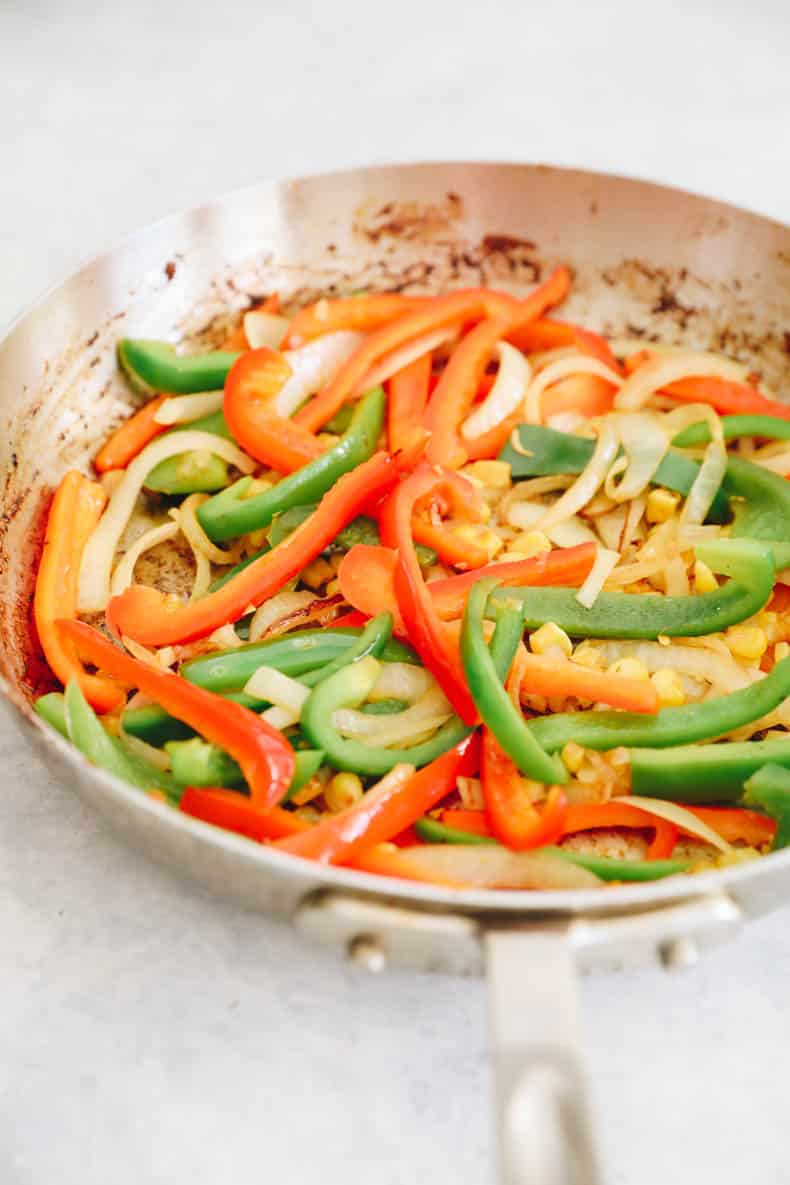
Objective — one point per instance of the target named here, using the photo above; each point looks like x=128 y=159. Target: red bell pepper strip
x=561 y=677
x=661 y=846
x=361 y=313
x=131 y=437
x=408 y=395
x=252 y=384
x=512 y=816
x=265 y=756
x=75 y=511
x=736 y=824
x=156 y=620
x=451 y=550
x=472 y=303
x=726 y=397
x=546 y=334
x=366 y=577
x=490 y=444
x=339 y=838
x=475 y=822
x=422 y=624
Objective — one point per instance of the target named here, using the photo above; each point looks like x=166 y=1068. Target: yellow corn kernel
x=669 y=687
x=257 y=540
x=333 y=587
x=704 y=580
x=531 y=543
x=572 y=757
x=748 y=642
x=632 y=668
x=781 y=650
x=768 y=621
x=661 y=505
x=587 y=656
x=343 y=791
x=664 y=640
x=258 y=485
x=548 y=636
x=317 y=573
x=481 y=537
x=308 y=792
x=495 y=474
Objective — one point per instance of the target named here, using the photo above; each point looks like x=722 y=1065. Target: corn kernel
x=256 y=540
x=748 y=642
x=549 y=636
x=704 y=580
x=343 y=791
x=631 y=668
x=481 y=537
x=495 y=474
x=661 y=505
x=768 y=621
x=669 y=687
x=308 y=792
x=333 y=587
x=572 y=757
x=664 y=640
x=317 y=573
x=587 y=656
x=781 y=650
x=531 y=543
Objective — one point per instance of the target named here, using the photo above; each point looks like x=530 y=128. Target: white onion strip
x=645 y=441
x=183 y=408
x=493 y=867
x=670 y=368
x=677 y=815
x=264 y=330
x=278 y=607
x=100 y=549
x=391 y=363
x=186 y=516
x=561 y=369
x=605 y=561
x=589 y=481
x=401 y=680
x=277 y=689
x=570 y=533
x=313 y=366
x=124 y=571
x=509 y=389
x=714 y=461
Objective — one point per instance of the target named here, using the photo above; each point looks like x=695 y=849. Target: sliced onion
x=720 y=670
x=677 y=815
x=401 y=680
x=714 y=462
x=471 y=793
x=313 y=366
x=430 y=712
x=636 y=508
x=141 y=653
x=570 y=533
x=225 y=637
x=562 y=368
x=280 y=718
x=677 y=581
x=283 y=605
x=277 y=689
x=670 y=368
x=565 y=421
x=776 y=462
x=605 y=561
x=264 y=330
x=610 y=526
x=542 y=358
x=498 y=868
x=391 y=363
x=645 y=442
x=589 y=481
x=507 y=393
x=183 y=408
x=100 y=549
x=124 y=570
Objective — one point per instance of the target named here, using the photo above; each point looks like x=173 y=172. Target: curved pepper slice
x=492 y=700
x=153 y=366
x=231 y=513
x=421 y=622
x=362 y=314
x=769 y=788
x=250 y=388
x=670 y=726
x=726 y=397
x=131 y=437
x=513 y=817
x=408 y=395
x=155 y=620
x=750 y=565
x=703 y=773
x=265 y=756
x=762 y=509
x=732 y=427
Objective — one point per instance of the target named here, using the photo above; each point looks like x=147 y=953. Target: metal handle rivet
x=367 y=952
x=679 y=953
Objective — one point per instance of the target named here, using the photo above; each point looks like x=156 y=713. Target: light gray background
x=148 y=1034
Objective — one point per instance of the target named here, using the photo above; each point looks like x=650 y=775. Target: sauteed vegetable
x=477 y=597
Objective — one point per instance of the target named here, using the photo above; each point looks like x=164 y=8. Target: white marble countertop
x=149 y=1034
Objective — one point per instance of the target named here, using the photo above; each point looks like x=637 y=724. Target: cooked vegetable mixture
x=479 y=597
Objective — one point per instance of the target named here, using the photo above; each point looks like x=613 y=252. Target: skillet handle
x=544 y=1125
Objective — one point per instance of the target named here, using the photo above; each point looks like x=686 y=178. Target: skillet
x=650 y=262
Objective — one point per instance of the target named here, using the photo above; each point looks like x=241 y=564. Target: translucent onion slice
x=471 y=793
x=401 y=680
x=313 y=366
x=589 y=480
x=100 y=549
x=776 y=462
x=677 y=581
x=565 y=421
x=498 y=868
x=720 y=670
x=562 y=368
x=124 y=570
x=670 y=368
x=278 y=689
x=391 y=363
x=203 y=550
x=264 y=329
x=714 y=461
x=280 y=718
x=525 y=515
x=402 y=728
x=610 y=527
x=276 y=608
x=183 y=408
x=645 y=442
x=677 y=815
x=507 y=393
x=605 y=561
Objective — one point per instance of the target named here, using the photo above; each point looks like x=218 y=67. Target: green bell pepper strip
x=154 y=725
x=340 y=420
x=198 y=763
x=214 y=423
x=229 y=514
x=384 y=707
x=750 y=566
x=52 y=708
x=87 y=734
x=373 y=640
x=669 y=726
x=154 y=366
x=432 y=831
x=559 y=452
x=293 y=654
x=492 y=700
x=704 y=773
x=508 y=633
x=611 y=869
x=348 y=688
x=360 y=530
x=767 y=427
x=769 y=789
x=761 y=503
x=188 y=473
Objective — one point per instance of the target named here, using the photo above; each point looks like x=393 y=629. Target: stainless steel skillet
x=649 y=262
